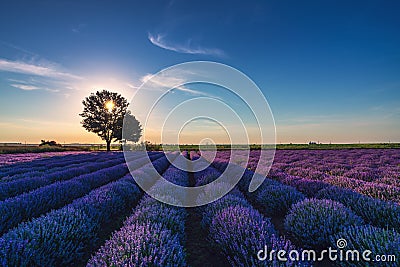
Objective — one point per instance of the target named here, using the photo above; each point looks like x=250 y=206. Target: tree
x=48 y=143
x=132 y=130
x=104 y=113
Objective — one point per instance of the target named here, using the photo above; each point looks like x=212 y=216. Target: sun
x=109 y=105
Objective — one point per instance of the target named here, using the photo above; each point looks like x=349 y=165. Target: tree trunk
x=108 y=146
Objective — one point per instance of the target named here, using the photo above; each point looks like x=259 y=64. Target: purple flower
x=276 y=200
x=312 y=221
x=141 y=244
x=374 y=211
x=378 y=241
x=239 y=232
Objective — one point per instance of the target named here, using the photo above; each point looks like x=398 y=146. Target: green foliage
x=296 y=146
x=48 y=143
x=153 y=147
x=132 y=130
x=35 y=149
x=104 y=113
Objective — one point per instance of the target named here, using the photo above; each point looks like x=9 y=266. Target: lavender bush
x=312 y=221
x=16 y=187
x=206 y=176
x=372 y=189
x=151 y=210
x=230 y=200
x=62 y=237
x=308 y=187
x=378 y=241
x=17 y=171
x=373 y=211
x=141 y=244
x=31 y=159
x=246 y=178
x=240 y=232
x=32 y=204
x=279 y=243
x=276 y=200
x=152 y=236
x=47 y=241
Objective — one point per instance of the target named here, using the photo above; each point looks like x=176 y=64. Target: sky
x=328 y=69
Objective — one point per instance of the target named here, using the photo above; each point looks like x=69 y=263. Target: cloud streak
x=31 y=87
x=162 y=82
x=32 y=69
x=47 y=77
x=159 y=40
x=79 y=28
x=25 y=87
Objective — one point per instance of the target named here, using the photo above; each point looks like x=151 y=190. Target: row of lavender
x=32 y=204
x=42 y=163
x=55 y=164
x=238 y=224
x=150 y=238
x=319 y=221
x=237 y=229
x=32 y=180
x=67 y=235
x=47 y=165
x=374 y=203
x=371 y=172
x=153 y=235
x=12 y=159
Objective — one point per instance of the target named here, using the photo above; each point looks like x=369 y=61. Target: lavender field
x=199 y=133
x=85 y=209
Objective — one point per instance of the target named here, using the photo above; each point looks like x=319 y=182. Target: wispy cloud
x=163 y=82
x=159 y=40
x=25 y=87
x=18 y=48
x=130 y=85
x=78 y=28
x=32 y=69
x=30 y=87
x=38 y=75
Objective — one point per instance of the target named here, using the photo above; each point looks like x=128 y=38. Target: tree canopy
x=104 y=114
x=48 y=143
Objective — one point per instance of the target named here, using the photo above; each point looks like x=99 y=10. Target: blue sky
x=329 y=69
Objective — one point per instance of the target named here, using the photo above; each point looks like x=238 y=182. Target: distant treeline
x=278 y=146
x=20 y=148
x=9 y=149
x=337 y=146
x=34 y=149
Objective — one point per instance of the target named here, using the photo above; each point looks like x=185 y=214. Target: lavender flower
x=276 y=200
x=312 y=221
x=378 y=241
x=141 y=244
x=239 y=232
x=63 y=236
x=374 y=211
